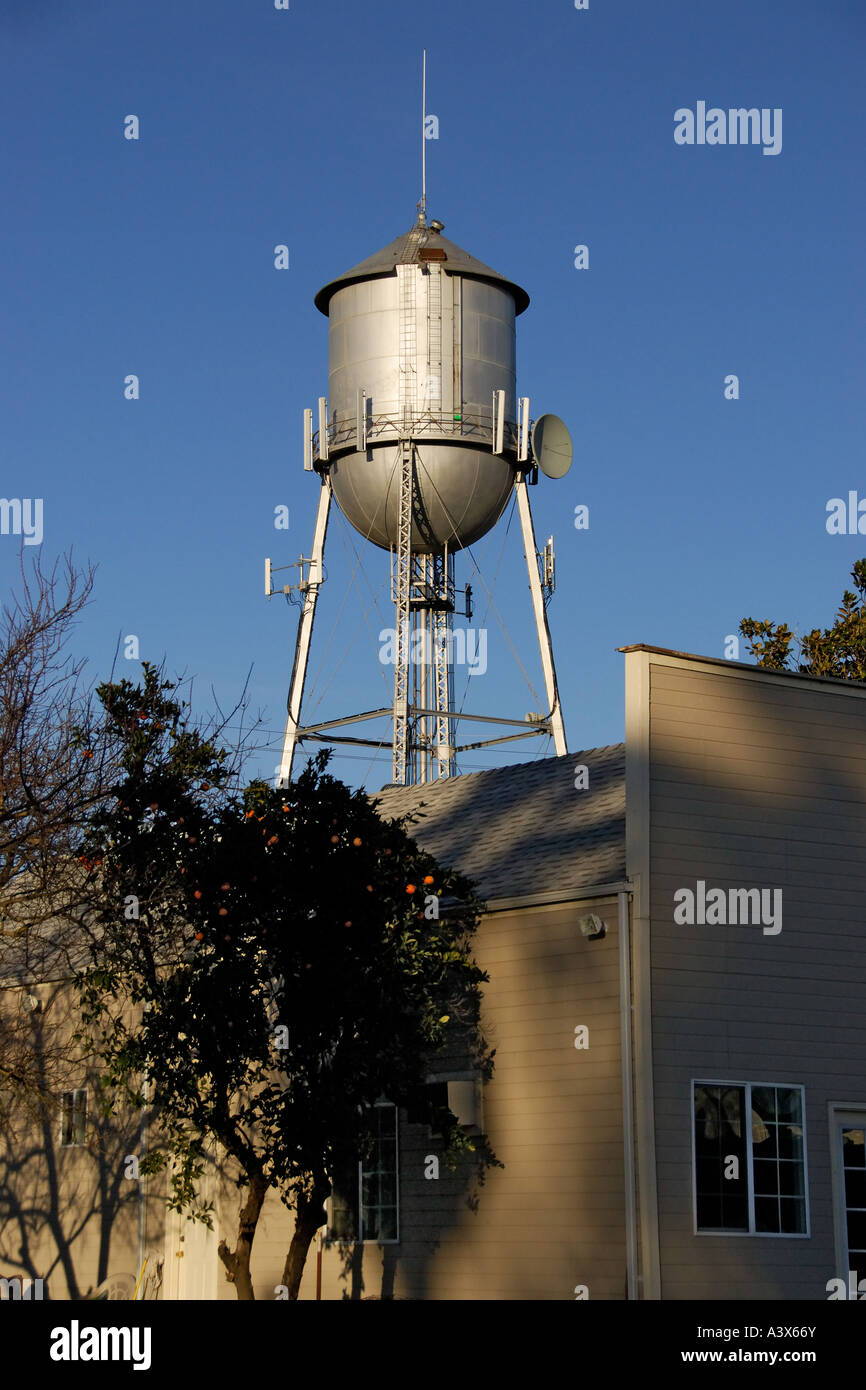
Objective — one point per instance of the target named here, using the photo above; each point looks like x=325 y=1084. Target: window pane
x=709 y=1213
x=387 y=1120
x=790 y=1140
x=79 y=1117
x=720 y=1158
x=66 y=1118
x=791 y=1179
x=853 y=1149
x=764 y=1101
x=767 y=1214
x=387 y=1229
x=793 y=1214
x=856 y=1230
x=789 y=1105
x=735 y=1212
x=855 y=1187
x=764 y=1137
x=709 y=1182
x=766 y=1173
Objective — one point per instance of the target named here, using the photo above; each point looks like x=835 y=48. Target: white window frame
x=750 y=1176
x=374 y=1240
x=852 y=1115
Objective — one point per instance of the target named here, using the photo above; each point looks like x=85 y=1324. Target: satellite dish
x=551 y=446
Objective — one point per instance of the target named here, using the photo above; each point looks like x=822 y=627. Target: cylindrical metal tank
x=421 y=335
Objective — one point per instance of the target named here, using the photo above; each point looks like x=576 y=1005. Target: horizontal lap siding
x=552 y=1218
x=755 y=784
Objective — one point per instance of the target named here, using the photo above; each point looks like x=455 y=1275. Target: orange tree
x=273 y=962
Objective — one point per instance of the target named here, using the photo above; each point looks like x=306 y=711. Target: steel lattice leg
x=443 y=585
x=402 y=740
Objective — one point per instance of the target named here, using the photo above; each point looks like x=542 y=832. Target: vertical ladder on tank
x=408 y=344
x=433 y=385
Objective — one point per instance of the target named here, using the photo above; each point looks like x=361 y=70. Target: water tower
x=421 y=441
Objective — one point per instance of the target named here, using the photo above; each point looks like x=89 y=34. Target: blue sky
x=260 y=127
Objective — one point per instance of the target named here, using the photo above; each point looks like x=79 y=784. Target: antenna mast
x=422 y=207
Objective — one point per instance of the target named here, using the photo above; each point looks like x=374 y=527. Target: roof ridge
x=464 y=777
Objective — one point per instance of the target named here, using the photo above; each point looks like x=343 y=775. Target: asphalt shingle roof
x=524 y=829
x=516 y=831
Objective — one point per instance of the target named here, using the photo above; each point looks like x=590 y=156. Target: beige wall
x=553 y=1217
x=67 y=1214
x=754 y=780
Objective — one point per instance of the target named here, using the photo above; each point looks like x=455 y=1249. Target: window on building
x=750 y=1158
x=427 y=1104
x=73 y=1117
x=378 y=1180
x=854 y=1196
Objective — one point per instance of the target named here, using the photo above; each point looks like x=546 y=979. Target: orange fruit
x=410 y=888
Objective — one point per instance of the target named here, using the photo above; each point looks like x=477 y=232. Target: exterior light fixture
x=592 y=927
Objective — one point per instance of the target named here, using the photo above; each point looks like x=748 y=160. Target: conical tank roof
x=415 y=247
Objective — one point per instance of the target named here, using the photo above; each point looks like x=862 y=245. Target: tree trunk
x=237 y=1261
x=307 y=1221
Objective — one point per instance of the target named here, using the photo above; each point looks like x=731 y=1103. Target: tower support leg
x=443 y=566
x=545 y=645
x=402 y=730
x=305 y=633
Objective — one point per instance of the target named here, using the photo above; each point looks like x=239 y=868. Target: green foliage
x=256 y=911
x=838 y=651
